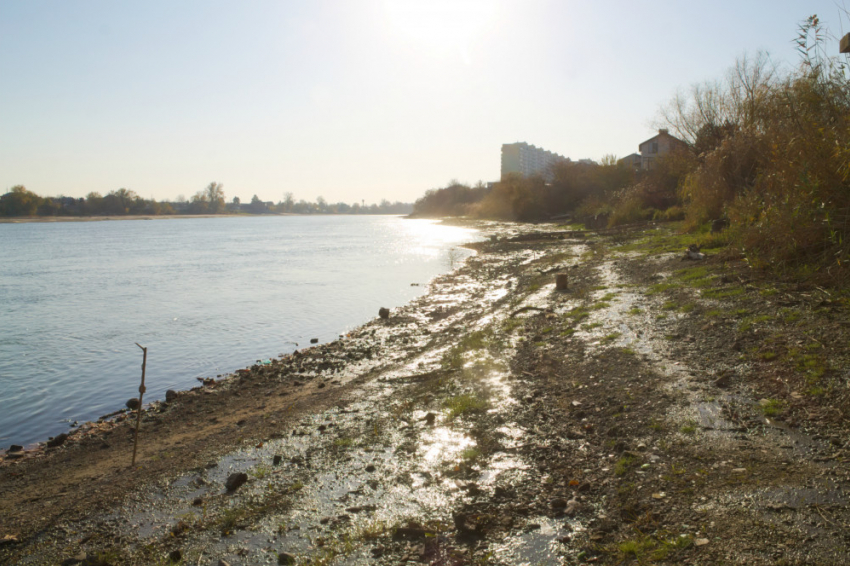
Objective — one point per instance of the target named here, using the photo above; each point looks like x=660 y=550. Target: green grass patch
x=722 y=293
x=464 y=404
x=624 y=465
x=611 y=337
x=690 y=427
x=661 y=287
x=634 y=311
x=772 y=407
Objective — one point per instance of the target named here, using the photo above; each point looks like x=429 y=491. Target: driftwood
x=526 y=309
x=141 y=394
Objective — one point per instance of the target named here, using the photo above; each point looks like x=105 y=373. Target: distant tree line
x=767 y=154
x=211 y=200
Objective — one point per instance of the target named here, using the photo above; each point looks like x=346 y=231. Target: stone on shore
x=384 y=312
x=132 y=404
x=57 y=440
x=235 y=481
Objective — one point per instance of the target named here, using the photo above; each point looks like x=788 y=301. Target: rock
x=701 y=542
x=559 y=503
x=57 y=440
x=76 y=559
x=429 y=418
x=16 y=448
x=314 y=340
x=170 y=395
x=133 y=403
x=198 y=501
x=285 y=558
x=223 y=563
x=370 y=468
x=175 y=556
x=276 y=460
x=235 y=481
x=723 y=381
x=384 y=312
x=693 y=253
x=180 y=528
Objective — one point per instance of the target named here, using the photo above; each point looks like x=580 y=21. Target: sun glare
x=440 y=26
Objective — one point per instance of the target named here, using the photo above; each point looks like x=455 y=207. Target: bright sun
x=440 y=26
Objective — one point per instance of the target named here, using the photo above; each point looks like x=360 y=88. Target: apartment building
x=528 y=160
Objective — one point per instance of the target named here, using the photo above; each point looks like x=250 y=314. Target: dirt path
x=658 y=411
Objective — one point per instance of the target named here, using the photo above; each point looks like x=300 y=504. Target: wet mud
x=494 y=420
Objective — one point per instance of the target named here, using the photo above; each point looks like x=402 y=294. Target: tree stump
x=561 y=282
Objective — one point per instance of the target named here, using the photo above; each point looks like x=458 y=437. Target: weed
x=625 y=464
x=464 y=404
x=611 y=337
x=470 y=454
x=768 y=356
x=546 y=330
x=634 y=311
x=688 y=428
x=344 y=442
x=670 y=306
x=687 y=308
x=568 y=332
x=661 y=287
x=259 y=471
x=722 y=293
x=771 y=407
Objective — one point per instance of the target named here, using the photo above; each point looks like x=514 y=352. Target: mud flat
x=657 y=411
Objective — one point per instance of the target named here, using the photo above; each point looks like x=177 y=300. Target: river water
x=206 y=296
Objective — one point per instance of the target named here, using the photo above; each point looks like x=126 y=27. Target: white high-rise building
x=528 y=160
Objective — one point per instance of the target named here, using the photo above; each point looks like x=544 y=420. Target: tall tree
x=215 y=197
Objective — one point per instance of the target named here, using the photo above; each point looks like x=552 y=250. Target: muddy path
x=658 y=411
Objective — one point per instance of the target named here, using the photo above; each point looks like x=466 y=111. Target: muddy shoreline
x=658 y=411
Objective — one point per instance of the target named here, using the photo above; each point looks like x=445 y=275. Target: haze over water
x=207 y=296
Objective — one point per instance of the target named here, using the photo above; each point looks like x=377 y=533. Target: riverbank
x=656 y=411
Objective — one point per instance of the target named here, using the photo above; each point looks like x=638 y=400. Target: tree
x=19 y=202
x=214 y=197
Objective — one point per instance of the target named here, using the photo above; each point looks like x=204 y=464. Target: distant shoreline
x=30 y=219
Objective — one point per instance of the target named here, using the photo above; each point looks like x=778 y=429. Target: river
x=206 y=296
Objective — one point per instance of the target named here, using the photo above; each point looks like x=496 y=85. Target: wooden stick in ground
x=141 y=394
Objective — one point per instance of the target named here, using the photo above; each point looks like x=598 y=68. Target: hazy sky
x=348 y=99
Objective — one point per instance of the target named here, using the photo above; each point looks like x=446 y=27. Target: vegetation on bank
x=211 y=200
x=768 y=151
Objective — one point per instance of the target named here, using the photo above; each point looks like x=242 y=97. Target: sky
x=349 y=99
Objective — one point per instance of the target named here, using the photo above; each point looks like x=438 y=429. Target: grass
x=453 y=359
x=624 y=465
x=464 y=404
x=634 y=311
x=344 y=442
x=772 y=407
x=260 y=471
x=611 y=337
x=470 y=454
x=690 y=427
x=661 y=287
x=723 y=293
